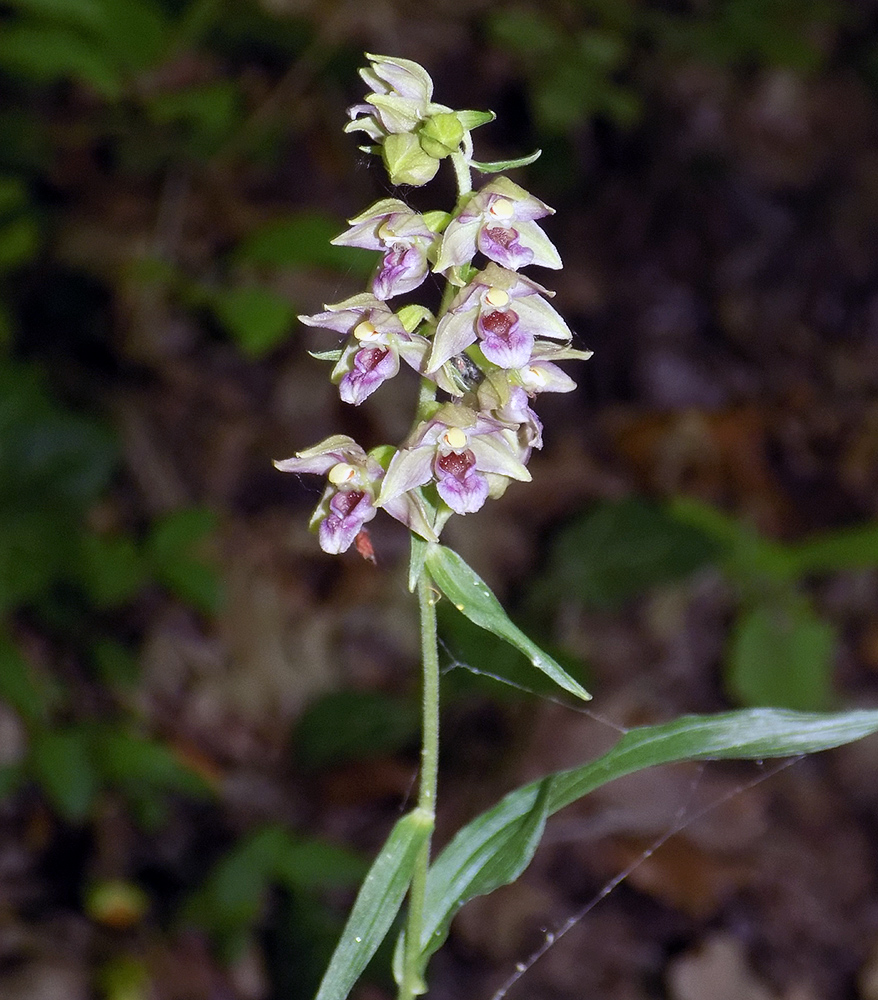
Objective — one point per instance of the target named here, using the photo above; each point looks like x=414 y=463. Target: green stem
x=412 y=984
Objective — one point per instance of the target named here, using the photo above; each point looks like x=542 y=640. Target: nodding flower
x=499 y=221
x=404 y=238
x=376 y=341
x=469 y=455
x=353 y=481
x=506 y=312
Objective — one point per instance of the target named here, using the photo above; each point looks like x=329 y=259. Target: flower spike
x=492 y=348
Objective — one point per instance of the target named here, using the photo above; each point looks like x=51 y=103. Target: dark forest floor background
x=206 y=724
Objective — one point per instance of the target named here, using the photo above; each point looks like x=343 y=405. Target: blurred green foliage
x=580 y=58
x=233 y=896
x=780 y=651
x=145 y=87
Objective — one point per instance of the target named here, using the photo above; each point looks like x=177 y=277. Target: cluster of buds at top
x=490 y=350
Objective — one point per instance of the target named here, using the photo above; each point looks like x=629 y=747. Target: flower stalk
x=412 y=984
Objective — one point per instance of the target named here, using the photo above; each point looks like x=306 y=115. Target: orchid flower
x=499 y=221
x=376 y=341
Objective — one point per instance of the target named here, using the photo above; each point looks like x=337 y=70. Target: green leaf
x=533 y=34
x=780 y=655
x=487 y=666
x=498 y=837
x=416 y=563
x=377 y=904
x=61 y=763
x=256 y=317
x=35 y=550
x=347 y=725
x=489 y=852
x=137 y=33
x=619 y=549
x=116 y=665
x=208 y=113
x=316 y=864
x=11 y=777
x=496 y=166
x=230 y=901
x=472 y=597
x=743 y=553
x=302 y=240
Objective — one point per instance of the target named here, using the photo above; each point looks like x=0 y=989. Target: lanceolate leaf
x=472 y=597
x=496 y=840
x=494 y=852
x=377 y=904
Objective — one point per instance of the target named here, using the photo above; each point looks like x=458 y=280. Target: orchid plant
x=483 y=356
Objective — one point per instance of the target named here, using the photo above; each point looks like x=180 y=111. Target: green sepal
x=333 y=355
x=437 y=220
x=473 y=119
x=413 y=315
x=382 y=454
x=441 y=134
x=405 y=160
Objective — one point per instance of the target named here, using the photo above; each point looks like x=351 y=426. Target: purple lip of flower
x=372 y=366
x=353 y=480
x=502 y=244
x=460 y=485
x=503 y=341
x=403 y=269
x=348 y=502
x=349 y=511
x=516 y=412
x=376 y=341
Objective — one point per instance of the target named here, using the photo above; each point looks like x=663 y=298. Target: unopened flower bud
x=406 y=162
x=441 y=135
